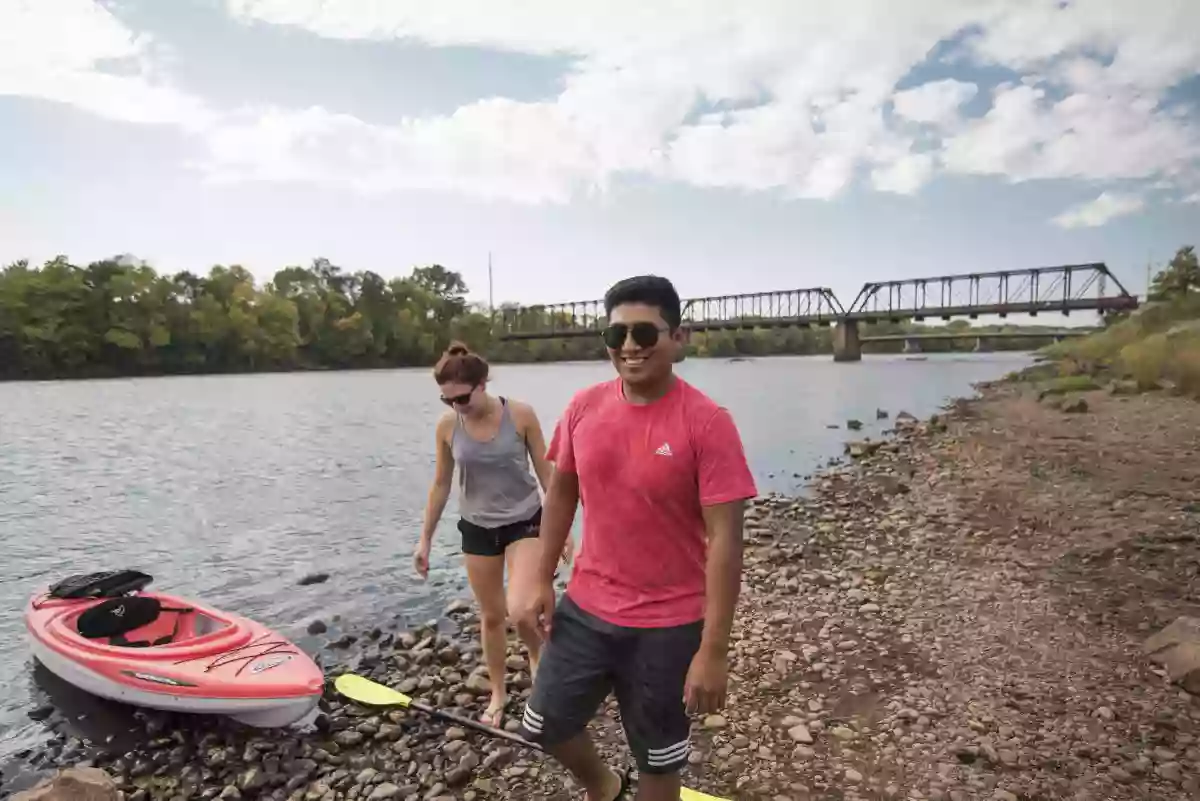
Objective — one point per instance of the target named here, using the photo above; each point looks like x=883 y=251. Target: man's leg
x=573 y=679
x=649 y=685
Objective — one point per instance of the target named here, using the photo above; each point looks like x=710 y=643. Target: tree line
x=120 y=317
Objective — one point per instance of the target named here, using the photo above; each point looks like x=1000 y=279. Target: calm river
x=231 y=488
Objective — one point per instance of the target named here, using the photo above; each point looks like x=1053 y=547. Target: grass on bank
x=1158 y=346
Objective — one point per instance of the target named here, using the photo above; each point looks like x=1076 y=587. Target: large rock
x=861 y=448
x=73 y=784
x=1177 y=648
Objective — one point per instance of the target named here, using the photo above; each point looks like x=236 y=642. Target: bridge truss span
x=792 y=307
x=783 y=308
x=1064 y=288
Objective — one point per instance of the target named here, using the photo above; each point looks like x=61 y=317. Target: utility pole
x=491 y=298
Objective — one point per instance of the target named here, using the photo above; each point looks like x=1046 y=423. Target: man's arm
x=558 y=508
x=725 y=483
x=723 y=582
x=558 y=514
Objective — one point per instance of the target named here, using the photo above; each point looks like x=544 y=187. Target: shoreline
x=955 y=614
x=310 y=370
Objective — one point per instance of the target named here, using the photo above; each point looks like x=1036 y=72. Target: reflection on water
x=233 y=487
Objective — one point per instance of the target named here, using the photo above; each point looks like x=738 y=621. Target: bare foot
x=613 y=788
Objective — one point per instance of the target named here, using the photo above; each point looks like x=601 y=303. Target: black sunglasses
x=459 y=400
x=645 y=335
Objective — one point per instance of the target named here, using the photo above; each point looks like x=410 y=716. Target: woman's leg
x=486 y=575
x=524 y=557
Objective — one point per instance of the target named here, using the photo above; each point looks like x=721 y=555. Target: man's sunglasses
x=645 y=335
x=459 y=400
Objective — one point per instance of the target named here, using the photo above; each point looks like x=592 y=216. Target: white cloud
x=936 y=102
x=1097 y=212
x=904 y=176
x=810 y=82
x=57 y=50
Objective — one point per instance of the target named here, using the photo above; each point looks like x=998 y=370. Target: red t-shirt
x=644 y=473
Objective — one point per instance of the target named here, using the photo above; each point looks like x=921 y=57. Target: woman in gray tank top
x=493 y=441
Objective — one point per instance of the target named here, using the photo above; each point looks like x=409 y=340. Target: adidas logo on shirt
x=664 y=449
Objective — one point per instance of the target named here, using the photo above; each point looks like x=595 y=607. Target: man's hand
x=707 y=681
x=535 y=607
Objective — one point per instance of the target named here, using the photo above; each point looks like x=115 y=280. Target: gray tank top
x=495 y=485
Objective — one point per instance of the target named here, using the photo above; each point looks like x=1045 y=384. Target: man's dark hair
x=651 y=290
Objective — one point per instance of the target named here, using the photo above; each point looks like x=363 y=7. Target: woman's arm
x=443 y=479
x=535 y=443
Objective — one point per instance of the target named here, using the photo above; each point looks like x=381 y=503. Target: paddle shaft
x=473 y=724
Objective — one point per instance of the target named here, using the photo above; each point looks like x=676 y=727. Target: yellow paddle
x=372 y=693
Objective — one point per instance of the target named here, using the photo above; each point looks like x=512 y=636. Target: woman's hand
x=421 y=559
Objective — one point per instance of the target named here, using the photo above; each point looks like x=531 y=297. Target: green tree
x=1180 y=277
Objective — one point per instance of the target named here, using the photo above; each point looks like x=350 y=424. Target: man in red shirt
x=661 y=474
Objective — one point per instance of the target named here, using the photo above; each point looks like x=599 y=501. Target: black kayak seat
x=116 y=617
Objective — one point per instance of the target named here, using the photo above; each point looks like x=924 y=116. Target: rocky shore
x=956 y=612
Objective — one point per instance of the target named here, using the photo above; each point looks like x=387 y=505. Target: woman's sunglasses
x=645 y=335
x=459 y=400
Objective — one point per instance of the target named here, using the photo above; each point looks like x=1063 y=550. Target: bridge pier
x=978 y=344
x=847 y=347
x=912 y=346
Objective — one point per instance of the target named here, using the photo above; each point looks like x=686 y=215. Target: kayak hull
x=214 y=663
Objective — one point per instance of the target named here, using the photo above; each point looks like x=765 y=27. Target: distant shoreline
x=497 y=362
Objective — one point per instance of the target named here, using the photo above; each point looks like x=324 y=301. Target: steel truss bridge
x=1060 y=289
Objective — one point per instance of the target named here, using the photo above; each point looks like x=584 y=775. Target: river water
x=231 y=488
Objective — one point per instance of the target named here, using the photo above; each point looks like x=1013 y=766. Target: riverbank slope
x=957 y=615
x=960 y=615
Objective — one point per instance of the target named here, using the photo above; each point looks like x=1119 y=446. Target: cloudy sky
x=735 y=147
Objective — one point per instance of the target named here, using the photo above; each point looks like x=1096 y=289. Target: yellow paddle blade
x=687 y=794
x=369 y=693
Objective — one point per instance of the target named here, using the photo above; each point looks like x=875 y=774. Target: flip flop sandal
x=493 y=716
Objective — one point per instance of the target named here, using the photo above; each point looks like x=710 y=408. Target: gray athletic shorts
x=587 y=657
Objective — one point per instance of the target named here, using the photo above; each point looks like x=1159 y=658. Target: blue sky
x=732 y=147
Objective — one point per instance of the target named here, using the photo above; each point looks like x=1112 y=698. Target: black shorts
x=587 y=657
x=480 y=541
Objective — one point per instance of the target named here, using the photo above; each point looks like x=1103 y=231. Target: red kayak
x=103 y=633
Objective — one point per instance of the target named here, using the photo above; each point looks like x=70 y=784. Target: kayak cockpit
x=143 y=621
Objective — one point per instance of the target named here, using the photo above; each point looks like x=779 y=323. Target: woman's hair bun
x=457 y=349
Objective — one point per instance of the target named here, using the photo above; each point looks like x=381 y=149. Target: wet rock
x=348 y=738
x=385 y=792
x=317 y=627
x=457 y=607
x=40 y=713
x=313 y=578
x=1177 y=648
x=1075 y=406
x=73 y=784
x=859 y=449
x=854 y=425
x=800 y=733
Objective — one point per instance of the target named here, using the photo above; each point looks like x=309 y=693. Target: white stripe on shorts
x=660 y=757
